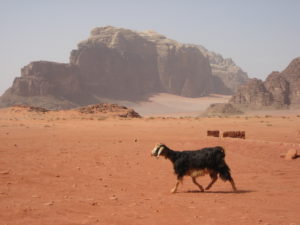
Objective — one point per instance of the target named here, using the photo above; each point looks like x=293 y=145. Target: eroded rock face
x=116 y=63
x=47 y=79
x=292 y=76
x=278 y=86
x=280 y=89
x=183 y=69
x=225 y=69
x=254 y=93
x=122 y=63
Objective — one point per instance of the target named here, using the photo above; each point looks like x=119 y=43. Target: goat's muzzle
x=157 y=150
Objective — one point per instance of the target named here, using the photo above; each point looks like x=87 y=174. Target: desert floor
x=164 y=104
x=62 y=170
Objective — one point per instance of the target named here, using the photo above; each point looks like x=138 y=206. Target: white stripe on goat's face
x=157 y=150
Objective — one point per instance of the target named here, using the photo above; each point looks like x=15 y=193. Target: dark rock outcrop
x=222 y=109
x=279 y=90
x=107 y=108
x=116 y=63
x=18 y=108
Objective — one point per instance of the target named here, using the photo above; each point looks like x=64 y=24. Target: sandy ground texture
x=58 y=169
x=164 y=104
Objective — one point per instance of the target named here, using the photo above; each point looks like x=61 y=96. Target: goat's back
x=209 y=157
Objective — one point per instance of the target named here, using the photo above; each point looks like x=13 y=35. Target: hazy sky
x=259 y=35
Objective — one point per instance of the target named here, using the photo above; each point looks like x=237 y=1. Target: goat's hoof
x=201 y=189
x=173 y=191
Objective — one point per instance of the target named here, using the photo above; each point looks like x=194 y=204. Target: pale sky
x=261 y=36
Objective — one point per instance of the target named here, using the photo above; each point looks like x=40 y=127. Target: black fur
x=211 y=158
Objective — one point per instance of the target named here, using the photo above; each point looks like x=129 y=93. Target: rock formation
x=117 y=63
x=96 y=111
x=107 y=108
x=225 y=69
x=221 y=109
x=279 y=90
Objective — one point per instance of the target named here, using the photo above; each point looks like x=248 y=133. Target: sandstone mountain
x=231 y=75
x=120 y=64
x=279 y=90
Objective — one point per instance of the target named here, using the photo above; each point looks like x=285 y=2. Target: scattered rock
x=234 y=134
x=113 y=197
x=29 y=108
x=4 y=172
x=291 y=154
x=35 y=196
x=94 y=203
x=49 y=203
x=213 y=133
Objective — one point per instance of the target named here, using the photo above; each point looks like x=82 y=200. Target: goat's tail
x=224 y=172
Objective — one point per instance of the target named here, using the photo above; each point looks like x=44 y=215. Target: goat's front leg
x=214 y=177
x=195 y=182
x=174 y=189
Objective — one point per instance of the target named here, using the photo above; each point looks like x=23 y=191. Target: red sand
x=67 y=171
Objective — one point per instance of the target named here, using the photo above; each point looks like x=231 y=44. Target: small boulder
x=291 y=154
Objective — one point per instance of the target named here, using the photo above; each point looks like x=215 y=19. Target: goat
x=197 y=163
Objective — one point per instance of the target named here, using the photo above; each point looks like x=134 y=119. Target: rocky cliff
x=225 y=69
x=280 y=89
x=116 y=63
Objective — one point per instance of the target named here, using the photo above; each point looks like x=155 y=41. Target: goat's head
x=158 y=150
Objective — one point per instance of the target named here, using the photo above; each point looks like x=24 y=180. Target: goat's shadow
x=218 y=192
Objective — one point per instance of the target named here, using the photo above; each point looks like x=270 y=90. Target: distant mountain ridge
x=279 y=90
x=118 y=63
x=232 y=75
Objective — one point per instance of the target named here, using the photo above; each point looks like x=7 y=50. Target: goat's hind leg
x=195 y=182
x=233 y=184
x=214 y=178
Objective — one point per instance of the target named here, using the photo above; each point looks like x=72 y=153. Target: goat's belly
x=197 y=173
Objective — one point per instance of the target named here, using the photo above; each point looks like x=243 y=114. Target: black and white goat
x=197 y=163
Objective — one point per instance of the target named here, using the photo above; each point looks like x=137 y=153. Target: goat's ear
x=160 y=151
